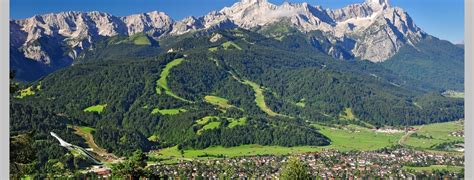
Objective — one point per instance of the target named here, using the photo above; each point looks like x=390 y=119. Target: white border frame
x=4 y=89
x=469 y=88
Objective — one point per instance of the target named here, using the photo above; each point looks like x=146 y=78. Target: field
x=233 y=122
x=435 y=167
x=433 y=134
x=346 y=139
x=301 y=103
x=237 y=122
x=218 y=101
x=206 y=119
x=212 y=122
x=141 y=40
x=260 y=98
x=86 y=129
x=453 y=94
x=355 y=137
x=228 y=44
x=26 y=92
x=348 y=114
x=173 y=154
x=162 y=83
x=85 y=132
x=168 y=111
x=211 y=125
x=97 y=108
x=213 y=49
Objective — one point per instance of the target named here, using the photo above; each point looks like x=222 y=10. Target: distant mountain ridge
x=377 y=29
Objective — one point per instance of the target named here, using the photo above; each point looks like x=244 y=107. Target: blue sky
x=441 y=18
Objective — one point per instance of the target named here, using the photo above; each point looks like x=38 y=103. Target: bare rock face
x=391 y=30
x=153 y=23
x=377 y=29
x=216 y=37
x=37 y=53
x=187 y=25
x=372 y=30
x=79 y=30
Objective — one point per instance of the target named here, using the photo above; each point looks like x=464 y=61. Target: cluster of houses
x=459 y=133
x=328 y=164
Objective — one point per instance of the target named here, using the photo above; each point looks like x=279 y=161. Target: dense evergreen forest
x=279 y=86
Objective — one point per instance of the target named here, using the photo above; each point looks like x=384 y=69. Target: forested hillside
x=243 y=88
x=432 y=61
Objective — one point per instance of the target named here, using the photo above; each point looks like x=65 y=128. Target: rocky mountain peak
x=372 y=30
x=378 y=4
x=253 y=1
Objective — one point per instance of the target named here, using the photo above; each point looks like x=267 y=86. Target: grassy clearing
x=206 y=119
x=140 y=39
x=301 y=103
x=279 y=38
x=229 y=44
x=435 y=167
x=218 y=101
x=26 y=92
x=208 y=126
x=153 y=138
x=213 y=49
x=85 y=132
x=168 y=111
x=454 y=94
x=212 y=122
x=162 y=83
x=260 y=98
x=96 y=109
x=30 y=91
x=417 y=105
x=237 y=122
x=354 y=137
x=344 y=139
x=436 y=133
x=348 y=114
x=86 y=129
x=173 y=154
x=211 y=125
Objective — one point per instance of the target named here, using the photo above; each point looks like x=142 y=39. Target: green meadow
x=229 y=44
x=141 y=40
x=347 y=138
x=162 y=83
x=206 y=119
x=354 y=137
x=301 y=103
x=96 y=109
x=218 y=101
x=348 y=114
x=237 y=122
x=433 y=134
x=172 y=154
x=435 y=167
x=213 y=49
x=260 y=98
x=208 y=126
x=167 y=111
x=86 y=129
x=212 y=122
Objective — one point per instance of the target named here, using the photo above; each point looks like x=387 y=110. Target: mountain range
x=372 y=30
x=252 y=73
